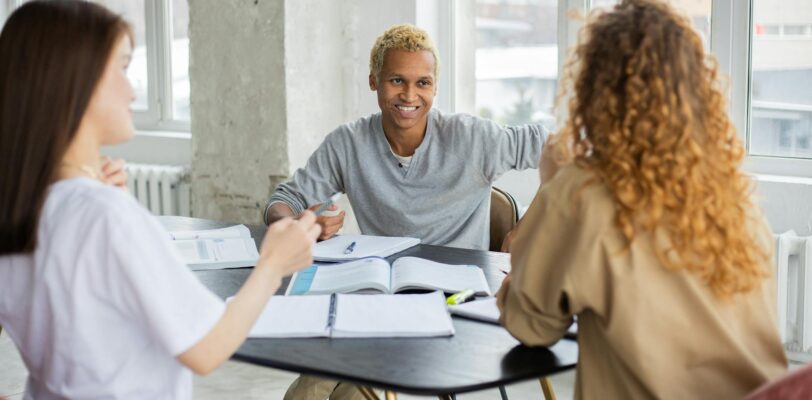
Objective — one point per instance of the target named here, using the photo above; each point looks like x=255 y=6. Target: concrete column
x=270 y=79
x=239 y=108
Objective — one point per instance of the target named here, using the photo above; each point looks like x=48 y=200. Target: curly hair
x=403 y=37
x=649 y=119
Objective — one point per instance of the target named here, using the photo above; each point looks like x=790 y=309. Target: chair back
x=795 y=385
x=504 y=216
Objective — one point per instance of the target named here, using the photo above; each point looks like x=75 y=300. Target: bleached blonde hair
x=402 y=37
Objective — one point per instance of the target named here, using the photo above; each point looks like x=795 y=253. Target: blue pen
x=349 y=248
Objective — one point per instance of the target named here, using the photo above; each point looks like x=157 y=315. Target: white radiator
x=794 y=276
x=163 y=189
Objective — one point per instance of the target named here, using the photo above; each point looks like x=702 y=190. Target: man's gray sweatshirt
x=443 y=197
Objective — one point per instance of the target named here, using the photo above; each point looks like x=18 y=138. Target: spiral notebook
x=354 y=316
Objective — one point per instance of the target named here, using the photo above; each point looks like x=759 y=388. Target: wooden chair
x=504 y=217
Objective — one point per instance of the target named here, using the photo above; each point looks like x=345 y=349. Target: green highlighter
x=459 y=298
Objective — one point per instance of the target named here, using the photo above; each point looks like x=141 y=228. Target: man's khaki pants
x=307 y=387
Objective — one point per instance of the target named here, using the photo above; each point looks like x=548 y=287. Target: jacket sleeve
x=539 y=300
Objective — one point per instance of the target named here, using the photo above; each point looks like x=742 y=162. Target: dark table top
x=478 y=356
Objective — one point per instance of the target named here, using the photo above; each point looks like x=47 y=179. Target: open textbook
x=230 y=247
x=353 y=247
x=374 y=274
x=354 y=316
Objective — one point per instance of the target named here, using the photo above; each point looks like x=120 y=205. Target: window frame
x=731 y=45
x=159 y=115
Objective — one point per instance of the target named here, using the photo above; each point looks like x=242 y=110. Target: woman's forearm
x=231 y=330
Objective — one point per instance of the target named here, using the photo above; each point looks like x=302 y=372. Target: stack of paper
x=338 y=248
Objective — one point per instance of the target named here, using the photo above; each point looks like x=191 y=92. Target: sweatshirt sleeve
x=509 y=148
x=320 y=178
x=537 y=304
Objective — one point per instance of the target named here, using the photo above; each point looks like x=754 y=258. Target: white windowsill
x=155 y=147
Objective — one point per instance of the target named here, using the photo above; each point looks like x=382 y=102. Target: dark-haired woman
x=94 y=297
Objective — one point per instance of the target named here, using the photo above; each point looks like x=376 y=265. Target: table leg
x=547 y=388
x=502 y=393
x=368 y=393
x=390 y=395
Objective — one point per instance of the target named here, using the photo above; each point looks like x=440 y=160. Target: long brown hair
x=52 y=55
x=648 y=101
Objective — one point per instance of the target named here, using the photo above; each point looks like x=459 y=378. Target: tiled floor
x=243 y=381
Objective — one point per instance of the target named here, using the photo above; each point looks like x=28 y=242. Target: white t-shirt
x=104 y=305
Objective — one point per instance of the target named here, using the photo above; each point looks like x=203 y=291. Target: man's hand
x=555 y=154
x=112 y=172
x=329 y=225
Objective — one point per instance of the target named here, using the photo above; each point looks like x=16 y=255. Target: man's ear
x=373 y=83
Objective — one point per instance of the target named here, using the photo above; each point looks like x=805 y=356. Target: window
x=159 y=68
x=699 y=12
x=763 y=46
x=516 y=63
x=781 y=79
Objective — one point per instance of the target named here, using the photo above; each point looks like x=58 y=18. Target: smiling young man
x=410 y=170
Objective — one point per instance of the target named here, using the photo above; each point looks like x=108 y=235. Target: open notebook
x=374 y=274
x=336 y=248
x=486 y=310
x=230 y=247
x=354 y=316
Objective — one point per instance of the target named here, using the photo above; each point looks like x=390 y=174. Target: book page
x=366 y=273
x=232 y=232
x=293 y=316
x=225 y=252
x=386 y=315
x=419 y=273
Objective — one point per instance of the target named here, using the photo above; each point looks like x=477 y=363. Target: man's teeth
x=407 y=109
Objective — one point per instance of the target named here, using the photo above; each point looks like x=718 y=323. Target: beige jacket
x=643 y=331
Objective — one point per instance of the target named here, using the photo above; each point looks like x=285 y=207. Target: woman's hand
x=555 y=154
x=112 y=172
x=288 y=244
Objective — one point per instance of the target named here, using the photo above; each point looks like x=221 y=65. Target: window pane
x=516 y=60
x=133 y=11
x=180 y=59
x=699 y=12
x=781 y=85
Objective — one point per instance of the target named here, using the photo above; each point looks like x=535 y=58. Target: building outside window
x=781 y=79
